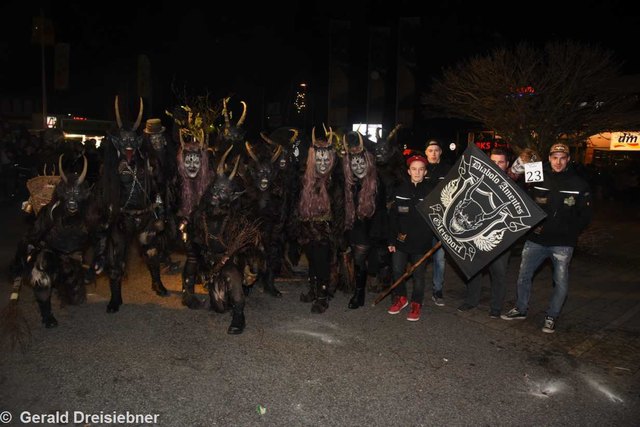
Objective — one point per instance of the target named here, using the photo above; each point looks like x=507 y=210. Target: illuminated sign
x=625 y=141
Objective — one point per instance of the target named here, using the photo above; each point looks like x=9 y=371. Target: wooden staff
x=408 y=273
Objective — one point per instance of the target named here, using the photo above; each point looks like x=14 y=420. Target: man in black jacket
x=410 y=236
x=437 y=169
x=566 y=199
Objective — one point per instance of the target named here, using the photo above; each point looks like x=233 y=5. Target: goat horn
x=181 y=131
x=294 y=137
x=225 y=113
x=393 y=132
x=276 y=153
x=136 y=125
x=235 y=168
x=62 y=175
x=118 y=119
x=266 y=139
x=244 y=114
x=313 y=136
x=251 y=152
x=220 y=169
x=84 y=170
x=325 y=129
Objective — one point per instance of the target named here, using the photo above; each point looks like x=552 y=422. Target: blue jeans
x=438 y=268
x=532 y=256
x=399 y=261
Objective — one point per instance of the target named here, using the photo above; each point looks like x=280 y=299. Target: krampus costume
x=215 y=235
x=165 y=157
x=365 y=209
x=134 y=205
x=321 y=213
x=194 y=177
x=58 y=243
x=268 y=202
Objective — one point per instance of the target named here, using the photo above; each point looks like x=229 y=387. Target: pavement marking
x=591 y=342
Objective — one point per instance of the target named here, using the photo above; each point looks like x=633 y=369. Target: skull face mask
x=358 y=165
x=192 y=163
x=323 y=160
x=158 y=141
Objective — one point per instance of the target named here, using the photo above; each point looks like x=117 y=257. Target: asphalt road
x=179 y=367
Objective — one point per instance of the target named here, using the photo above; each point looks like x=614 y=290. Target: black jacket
x=436 y=172
x=408 y=230
x=566 y=199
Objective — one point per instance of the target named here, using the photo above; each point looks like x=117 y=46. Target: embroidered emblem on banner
x=476 y=209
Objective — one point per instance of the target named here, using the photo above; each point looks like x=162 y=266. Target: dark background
x=262 y=53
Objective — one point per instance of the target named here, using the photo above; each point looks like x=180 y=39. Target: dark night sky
x=259 y=53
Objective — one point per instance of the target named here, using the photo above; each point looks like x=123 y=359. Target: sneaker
x=494 y=314
x=437 y=298
x=549 y=325
x=398 y=304
x=466 y=307
x=414 y=313
x=514 y=314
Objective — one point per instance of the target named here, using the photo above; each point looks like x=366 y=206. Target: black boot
x=116 y=296
x=189 y=299
x=47 y=317
x=361 y=283
x=269 y=285
x=311 y=295
x=237 y=321
x=156 y=282
x=321 y=304
x=159 y=289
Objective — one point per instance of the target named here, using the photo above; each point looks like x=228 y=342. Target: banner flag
x=478 y=212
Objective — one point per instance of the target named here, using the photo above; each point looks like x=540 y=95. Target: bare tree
x=534 y=97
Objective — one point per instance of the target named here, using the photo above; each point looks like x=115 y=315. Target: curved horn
x=44 y=171
x=472 y=188
x=220 y=169
x=235 y=168
x=313 y=136
x=62 y=175
x=276 y=153
x=181 y=131
x=393 y=132
x=294 y=136
x=252 y=154
x=267 y=139
x=84 y=170
x=360 y=143
x=344 y=143
x=136 y=125
x=494 y=213
x=118 y=118
x=244 y=113
x=325 y=129
x=378 y=133
x=330 y=136
x=225 y=113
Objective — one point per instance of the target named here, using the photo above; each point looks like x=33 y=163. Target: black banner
x=478 y=212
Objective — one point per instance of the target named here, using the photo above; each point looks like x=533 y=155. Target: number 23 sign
x=533 y=172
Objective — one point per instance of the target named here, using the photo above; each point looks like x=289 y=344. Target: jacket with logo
x=408 y=230
x=566 y=199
